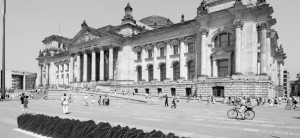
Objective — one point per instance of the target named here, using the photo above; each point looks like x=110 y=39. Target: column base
x=263 y=74
x=237 y=73
x=202 y=76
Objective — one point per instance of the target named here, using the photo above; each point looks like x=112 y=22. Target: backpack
x=25 y=101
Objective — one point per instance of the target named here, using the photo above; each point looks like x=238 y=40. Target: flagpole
x=3 y=49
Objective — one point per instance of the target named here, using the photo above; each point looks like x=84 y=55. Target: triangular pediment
x=88 y=34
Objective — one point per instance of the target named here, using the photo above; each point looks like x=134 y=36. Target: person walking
x=22 y=97
x=99 y=100
x=64 y=103
x=106 y=101
x=25 y=109
x=92 y=100
x=86 y=98
x=173 y=103
x=166 y=100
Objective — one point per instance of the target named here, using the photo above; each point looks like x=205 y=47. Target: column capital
x=168 y=42
x=203 y=31
x=262 y=26
x=238 y=23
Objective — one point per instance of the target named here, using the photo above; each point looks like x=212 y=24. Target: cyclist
x=242 y=104
x=294 y=101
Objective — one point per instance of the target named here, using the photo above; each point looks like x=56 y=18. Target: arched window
x=224 y=39
x=191 y=70
x=176 y=71
x=162 y=72
x=150 y=73
x=139 y=73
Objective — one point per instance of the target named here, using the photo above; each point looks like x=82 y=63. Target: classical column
x=215 y=68
x=182 y=59
x=50 y=73
x=93 y=65
x=168 y=61
x=238 y=46
x=47 y=74
x=204 y=32
x=85 y=66
x=268 y=53
x=111 y=63
x=71 y=69
x=101 y=68
x=65 y=73
x=59 y=73
x=144 y=65
x=24 y=81
x=263 y=48
x=155 y=64
x=281 y=73
x=78 y=68
x=41 y=75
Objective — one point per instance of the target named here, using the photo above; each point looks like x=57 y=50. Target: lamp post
x=3 y=49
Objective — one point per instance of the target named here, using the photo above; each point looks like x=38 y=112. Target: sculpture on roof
x=202 y=9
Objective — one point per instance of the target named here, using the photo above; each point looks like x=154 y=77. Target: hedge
x=70 y=128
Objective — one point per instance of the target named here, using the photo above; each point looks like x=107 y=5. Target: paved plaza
x=188 y=119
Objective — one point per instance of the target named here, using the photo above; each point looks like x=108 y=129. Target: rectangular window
x=175 y=48
x=223 y=68
x=162 y=52
x=190 y=47
x=138 y=55
x=149 y=53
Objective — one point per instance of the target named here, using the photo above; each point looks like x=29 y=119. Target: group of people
x=105 y=100
x=65 y=100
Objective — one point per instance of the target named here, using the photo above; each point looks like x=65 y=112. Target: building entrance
x=218 y=91
x=188 y=92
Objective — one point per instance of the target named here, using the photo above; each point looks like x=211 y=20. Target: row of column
x=93 y=66
x=48 y=69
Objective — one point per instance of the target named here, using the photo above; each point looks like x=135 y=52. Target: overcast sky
x=28 y=22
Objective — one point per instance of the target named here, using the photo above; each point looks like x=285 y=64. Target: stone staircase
x=79 y=95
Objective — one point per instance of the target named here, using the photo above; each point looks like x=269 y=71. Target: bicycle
x=289 y=106
x=248 y=112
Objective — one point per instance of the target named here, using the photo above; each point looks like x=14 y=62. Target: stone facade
x=229 y=49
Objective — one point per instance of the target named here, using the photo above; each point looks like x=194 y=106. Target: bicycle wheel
x=232 y=114
x=249 y=114
x=287 y=107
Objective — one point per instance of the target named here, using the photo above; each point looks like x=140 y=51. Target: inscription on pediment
x=87 y=37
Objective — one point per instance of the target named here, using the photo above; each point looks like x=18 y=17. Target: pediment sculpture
x=87 y=37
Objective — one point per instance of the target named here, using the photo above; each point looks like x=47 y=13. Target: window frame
x=175 y=49
x=150 y=73
x=150 y=53
x=162 y=52
x=139 y=55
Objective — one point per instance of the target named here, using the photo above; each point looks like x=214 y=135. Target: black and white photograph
x=149 y=69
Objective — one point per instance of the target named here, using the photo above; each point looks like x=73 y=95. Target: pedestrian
x=208 y=100
x=177 y=99
x=99 y=101
x=106 y=101
x=200 y=98
x=86 y=100
x=173 y=103
x=25 y=109
x=22 y=97
x=92 y=100
x=64 y=103
x=166 y=100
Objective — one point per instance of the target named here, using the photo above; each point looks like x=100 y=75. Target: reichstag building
x=228 y=49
